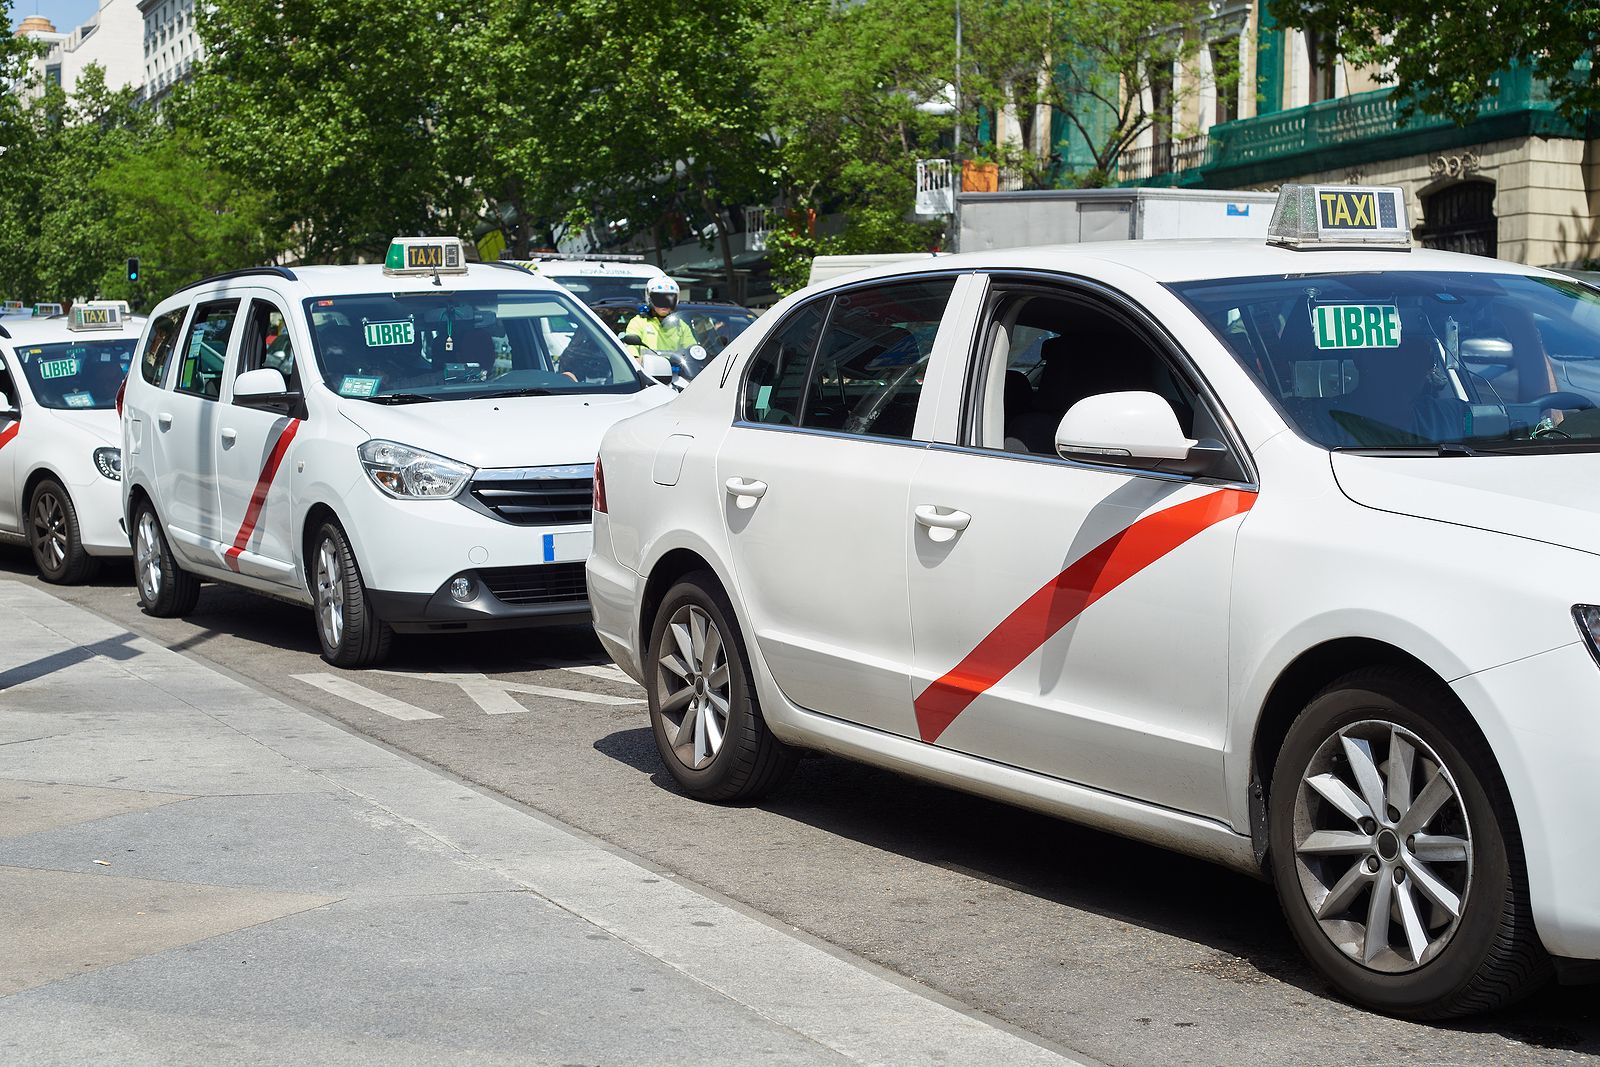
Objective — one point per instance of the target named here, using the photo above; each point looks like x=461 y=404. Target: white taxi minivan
x=1283 y=554
x=60 y=454
x=398 y=446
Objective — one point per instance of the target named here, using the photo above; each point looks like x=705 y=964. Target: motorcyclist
x=656 y=325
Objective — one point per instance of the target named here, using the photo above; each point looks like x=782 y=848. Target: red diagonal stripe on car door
x=9 y=432
x=1065 y=597
x=258 y=499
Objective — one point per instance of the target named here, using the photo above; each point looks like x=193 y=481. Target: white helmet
x=662 y=293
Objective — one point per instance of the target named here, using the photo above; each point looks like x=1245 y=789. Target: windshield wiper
x=400 y=398
x=531 y=390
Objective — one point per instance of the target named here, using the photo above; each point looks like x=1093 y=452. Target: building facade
x=108 y=39
x=172 y=48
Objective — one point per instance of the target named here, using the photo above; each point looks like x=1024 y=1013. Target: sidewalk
x=194 y=872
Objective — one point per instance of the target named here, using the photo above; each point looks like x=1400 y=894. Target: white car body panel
x=1469 y=567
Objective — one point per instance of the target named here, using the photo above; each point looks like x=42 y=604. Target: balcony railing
x=1163 y=157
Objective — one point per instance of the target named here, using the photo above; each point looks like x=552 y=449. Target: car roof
x=362 y=278
x=52 y=330
x=1197 y=260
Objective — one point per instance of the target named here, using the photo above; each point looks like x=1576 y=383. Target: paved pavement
x=192 y=871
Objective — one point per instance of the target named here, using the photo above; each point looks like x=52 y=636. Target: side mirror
x=265 y=383
x=656 y=366
x=1133 y=429
x=632 y=339
x=697 y=353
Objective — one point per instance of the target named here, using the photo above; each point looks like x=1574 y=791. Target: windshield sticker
x=353 y=385
x=79 y=400
x=57 y=368
x=1356 y=326
x=384 y=334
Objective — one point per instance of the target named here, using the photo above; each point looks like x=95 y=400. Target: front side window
x=266 y=342
x=1416 y=360
x=419 y=346
x=159 y=346
x=205 y=351
x=873 y=357
x=77 y=374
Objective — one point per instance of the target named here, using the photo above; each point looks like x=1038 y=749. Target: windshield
x=77 y=374
x=716 y=327
x=1418 y=360
x=460 y=345
x=592 y=288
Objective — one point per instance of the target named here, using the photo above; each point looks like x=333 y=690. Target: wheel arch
x=31 y=483
x=664 y=574
x=1299 y=681
x=317 y=514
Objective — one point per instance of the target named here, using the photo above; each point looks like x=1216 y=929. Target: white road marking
x=367 y=698
x=493 y=695
x=610 y=674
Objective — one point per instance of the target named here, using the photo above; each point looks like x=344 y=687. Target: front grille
x=552 y=583
x=536 y=497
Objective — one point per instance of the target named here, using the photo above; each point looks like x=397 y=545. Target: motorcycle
x=674 y=366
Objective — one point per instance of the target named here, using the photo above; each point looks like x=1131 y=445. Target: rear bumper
x=496 y=598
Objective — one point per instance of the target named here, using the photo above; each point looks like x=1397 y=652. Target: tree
x=1444 y=55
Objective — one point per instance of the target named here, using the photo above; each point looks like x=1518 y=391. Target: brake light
x=122 y=390
x=599 y=487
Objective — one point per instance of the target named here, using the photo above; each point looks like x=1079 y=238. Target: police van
x=60 y=454
x=1283 y=553
x=597 y=277
x=402 y=446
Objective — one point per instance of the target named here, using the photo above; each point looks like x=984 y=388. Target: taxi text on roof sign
x=95 y=317
x=1340 y=216
x=425 y=256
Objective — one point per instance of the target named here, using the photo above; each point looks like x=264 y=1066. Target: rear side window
x=205 y=350
x=874 y=356
x=159 y=346
x=775 y=386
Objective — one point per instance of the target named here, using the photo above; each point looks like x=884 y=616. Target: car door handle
x=931 y=516
x=164 y=420
x=229 y=436
x=749 y=488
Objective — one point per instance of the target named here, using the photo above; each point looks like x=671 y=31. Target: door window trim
x=296 y=405
x=1107 y=300
x=191 y=322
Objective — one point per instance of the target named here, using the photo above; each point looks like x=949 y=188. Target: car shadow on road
x=1088 y=870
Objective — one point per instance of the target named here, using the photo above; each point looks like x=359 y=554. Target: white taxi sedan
x=60 y=455
x=401 y=447
x=1280 y=554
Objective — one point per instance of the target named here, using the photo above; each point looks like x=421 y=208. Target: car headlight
x=108 y=461
x=1587 y=616
x=403 y=471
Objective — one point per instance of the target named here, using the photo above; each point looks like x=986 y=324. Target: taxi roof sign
x=104 y=316
x=13 y=305
x=44 y=309
x=1340 y=216
x=423 y=256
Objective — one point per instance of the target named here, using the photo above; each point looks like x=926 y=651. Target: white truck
x=985 y=221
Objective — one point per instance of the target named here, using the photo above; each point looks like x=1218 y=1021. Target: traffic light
x=133 y=268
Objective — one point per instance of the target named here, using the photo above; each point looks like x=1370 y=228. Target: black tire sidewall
x=179 y=589
x=361 y=644
x=718 y=777
x=1431 y=718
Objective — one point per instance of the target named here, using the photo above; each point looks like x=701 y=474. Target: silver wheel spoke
x=710 y=651
x=1439 y=848
x=1365 y=769
x=680 y=636
x=677 y=700
x=1416 y=936
x=1432 y=888
x=1427 y=805
x=1343 y=892
x=702 y=747
x=1335 y=842
x=1401 y=756
x=688 y=728
x=676 y=666
x=1340 y=796
x=718 y=679
x=713 y=732
x=1378 y=918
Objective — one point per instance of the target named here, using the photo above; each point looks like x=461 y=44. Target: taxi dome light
x=425 y=256
x=13 y=305
x=1340 y=217
x=102 y=316
x=45 y=309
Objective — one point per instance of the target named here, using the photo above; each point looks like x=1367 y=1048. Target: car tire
x=166 y=590
x=350 y=631
x=1419 y=909
x=709 y=732
x=56 y=538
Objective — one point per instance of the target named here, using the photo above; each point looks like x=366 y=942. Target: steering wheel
x=1563 y=400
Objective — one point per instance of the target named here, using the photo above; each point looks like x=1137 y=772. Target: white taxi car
x=597 y=277
x=60 y=460
x=1280 y=554
x=397 y=445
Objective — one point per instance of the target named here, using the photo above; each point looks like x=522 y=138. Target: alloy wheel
x=692 y=686
x=330 y=593
x=1383 y=846
x=147 y=557
x=50 y=533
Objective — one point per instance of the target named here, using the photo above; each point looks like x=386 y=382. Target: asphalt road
x=1114 y=950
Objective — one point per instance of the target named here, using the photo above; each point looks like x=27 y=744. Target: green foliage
x=1445 y=55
